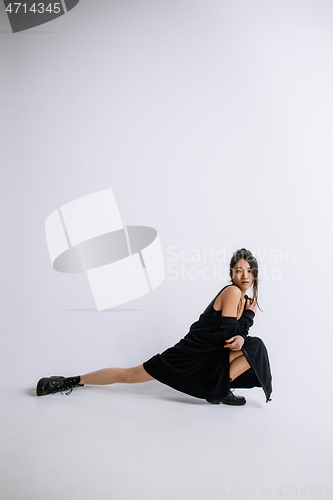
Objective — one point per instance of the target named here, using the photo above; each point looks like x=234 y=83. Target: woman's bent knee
x=234 y=354
x=123 y=375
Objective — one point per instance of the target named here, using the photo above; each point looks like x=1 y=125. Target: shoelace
x=57 y=386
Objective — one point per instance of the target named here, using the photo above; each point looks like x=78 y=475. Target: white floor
x=150 y=441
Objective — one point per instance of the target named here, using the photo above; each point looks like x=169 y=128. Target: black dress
x=198 y=364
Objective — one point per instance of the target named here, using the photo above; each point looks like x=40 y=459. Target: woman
x=214 y=356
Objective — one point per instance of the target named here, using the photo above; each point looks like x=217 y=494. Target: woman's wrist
x=249 y=313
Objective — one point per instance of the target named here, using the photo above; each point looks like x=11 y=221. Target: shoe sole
x=240 y=403
x=231 y=403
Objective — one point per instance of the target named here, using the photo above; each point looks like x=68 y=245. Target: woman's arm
x=218 y=329
x=229 y=318
x=246 y=321
x=238 y=329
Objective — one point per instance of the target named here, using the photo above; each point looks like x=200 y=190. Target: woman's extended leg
x=113 y=375
x=55 y=384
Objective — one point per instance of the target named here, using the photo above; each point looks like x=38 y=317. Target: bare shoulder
x=230 y=300
x=231 y=291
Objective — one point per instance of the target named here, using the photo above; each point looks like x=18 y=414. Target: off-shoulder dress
x=198 y=364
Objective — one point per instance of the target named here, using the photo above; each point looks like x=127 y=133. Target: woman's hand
x=251 y=304
x=236 y=343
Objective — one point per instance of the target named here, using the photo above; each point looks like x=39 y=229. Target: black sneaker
x=231 y=399
x=54 y=384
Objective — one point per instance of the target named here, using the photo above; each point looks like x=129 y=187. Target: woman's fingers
x=252 y=305
x=231 y=339
x=233 y=347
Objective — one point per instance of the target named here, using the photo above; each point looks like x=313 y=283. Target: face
x=242 y=275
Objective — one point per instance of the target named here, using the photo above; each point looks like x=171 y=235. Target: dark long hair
x=247 y=255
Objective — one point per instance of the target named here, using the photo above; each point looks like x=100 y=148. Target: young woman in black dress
x=214 y=356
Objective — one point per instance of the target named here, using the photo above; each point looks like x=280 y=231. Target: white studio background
x=212 y=122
